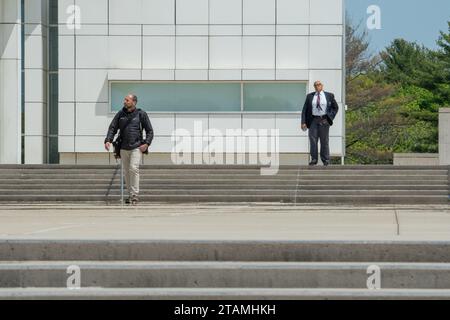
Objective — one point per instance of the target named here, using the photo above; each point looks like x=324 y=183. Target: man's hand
x=304 y=127
x=107 y=146
x=143 y=147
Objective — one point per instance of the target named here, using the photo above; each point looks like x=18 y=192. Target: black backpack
x=118 y=141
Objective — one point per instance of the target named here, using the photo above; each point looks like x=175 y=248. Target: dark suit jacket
x=332 y=108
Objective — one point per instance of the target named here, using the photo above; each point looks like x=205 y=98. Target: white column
x=10 y=81
x=444 y=136
x=35 y=80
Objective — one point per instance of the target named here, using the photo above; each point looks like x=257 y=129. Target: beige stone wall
x=416 y=159
x=161 y=158
x=444 y=136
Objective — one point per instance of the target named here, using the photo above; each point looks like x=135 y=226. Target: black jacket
x=132 y=136
x=332 y=108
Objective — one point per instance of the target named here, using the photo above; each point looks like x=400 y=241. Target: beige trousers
x=131 y=161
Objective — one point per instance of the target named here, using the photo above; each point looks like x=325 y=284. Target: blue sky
x=413 y=20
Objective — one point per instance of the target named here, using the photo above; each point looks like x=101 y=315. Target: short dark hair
x=134 y=97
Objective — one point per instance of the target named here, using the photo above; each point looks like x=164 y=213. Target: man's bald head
x=130 y=101
x=318 y=86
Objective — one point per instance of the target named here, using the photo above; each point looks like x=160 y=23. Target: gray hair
x=134 y=97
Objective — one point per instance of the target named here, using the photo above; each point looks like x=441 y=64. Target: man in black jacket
x=318 y=113
x=130 y=121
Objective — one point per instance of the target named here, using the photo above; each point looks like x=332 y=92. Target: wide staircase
x=223 y=270
x=292 y=184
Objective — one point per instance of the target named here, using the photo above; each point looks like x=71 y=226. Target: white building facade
x=218 y=64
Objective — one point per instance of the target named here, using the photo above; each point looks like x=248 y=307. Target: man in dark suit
x=318 y=113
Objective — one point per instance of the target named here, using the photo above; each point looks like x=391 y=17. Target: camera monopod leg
x=121 y=182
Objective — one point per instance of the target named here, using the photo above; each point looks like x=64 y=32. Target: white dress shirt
x=323 y=104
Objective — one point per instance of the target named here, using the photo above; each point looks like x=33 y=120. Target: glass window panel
x=278 y=97
x=179 y=97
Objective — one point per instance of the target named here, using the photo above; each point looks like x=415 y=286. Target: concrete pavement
x=225 y=222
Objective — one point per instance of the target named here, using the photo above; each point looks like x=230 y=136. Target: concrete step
x=187 y=198
x=49 y=188
x=6 y=172
x=222 y=294
x=213 y=167
x=230 y=192
x=293 y=184
x=226 y=250
x=227 y=176
x=236 y=274
x=210 y=183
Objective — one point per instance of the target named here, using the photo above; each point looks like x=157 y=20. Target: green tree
x=394 y=98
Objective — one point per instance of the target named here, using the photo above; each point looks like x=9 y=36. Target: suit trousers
x=131 y=160
x=319 y=131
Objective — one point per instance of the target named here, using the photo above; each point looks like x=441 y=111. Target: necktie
x=318 y=102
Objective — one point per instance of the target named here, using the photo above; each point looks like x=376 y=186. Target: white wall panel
x=92 y=85
x=159 y=52
x=292 y=52
x=331 y=79
x=9 y=41
x=34 y=118
x=289 y=124
x=34 y=152
x=92 y=51
x=161 y=144
x=325 y=52
x=293 y=144
x=66 y=85
x=93 y=11
x=326 y=30
x=125 y=12
x=34 y=85
x=90 y=144
x=192 y=52
x=191 y=121
x=259 y=11
x=187 y=74
x=66 y=118
x=158 y=74
x=158 y=11
x=124 y=52
x=326 y=11
x=258 y=121
x=192 y=30
x=335 y=145
x=225 y=12
x=222 y=74
x=163 y=124
x=259 y=52
x=66 y=144
x=66 y=52
x=35 y=45
x=192 y=11
x=225 y=52
x=91 y=118
x=222 y=122
x=293 y=11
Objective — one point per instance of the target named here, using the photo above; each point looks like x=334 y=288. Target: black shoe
x=326 y=163
x=127 y=201
x=313 y=163
x=134 y=201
